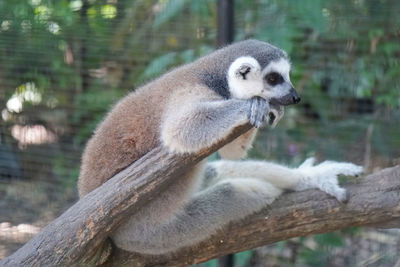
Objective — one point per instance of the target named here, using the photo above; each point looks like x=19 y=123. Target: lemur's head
x=246 y=79
x=249 y=68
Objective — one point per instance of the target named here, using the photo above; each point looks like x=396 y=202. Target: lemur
x=189 y=108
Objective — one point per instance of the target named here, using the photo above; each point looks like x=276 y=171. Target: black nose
x=296 y=99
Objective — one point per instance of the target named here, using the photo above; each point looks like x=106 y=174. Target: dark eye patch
x=274 y=78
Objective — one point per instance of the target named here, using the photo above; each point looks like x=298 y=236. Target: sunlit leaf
x=108 y=11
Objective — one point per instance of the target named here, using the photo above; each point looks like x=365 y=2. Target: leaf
x=159 y=65
x=314 y=257
x=187 y=55
x=171 y=9
x=329 y=239
x=242 y=258
x=201 y=7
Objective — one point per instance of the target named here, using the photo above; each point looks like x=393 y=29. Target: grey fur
x=181 y=130
x=204 y=213
x=291 y=98
x=209 y=174
x=238 y=189
x=217 y=83
x=184 y=213
x=215 y=76
x=186 y=110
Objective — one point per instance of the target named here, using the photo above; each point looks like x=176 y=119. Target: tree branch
x=77 y=236
x=374 y=201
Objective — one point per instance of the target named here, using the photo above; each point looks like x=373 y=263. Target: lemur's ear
x=244 y=70
x=243 y=66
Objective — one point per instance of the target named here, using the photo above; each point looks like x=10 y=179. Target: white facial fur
x=253 y=84
x=282 y=67
x=245 y=88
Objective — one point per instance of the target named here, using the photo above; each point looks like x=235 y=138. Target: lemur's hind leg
x=322 y=176
x=278 y=175
x=205 y=213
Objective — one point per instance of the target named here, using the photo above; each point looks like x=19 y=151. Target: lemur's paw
x=324 y=176
x=344 y=168
x=258 y=112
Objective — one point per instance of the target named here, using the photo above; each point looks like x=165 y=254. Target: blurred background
x=64 y=63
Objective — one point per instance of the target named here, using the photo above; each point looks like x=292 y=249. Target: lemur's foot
x=324 y=176
x=259 y=109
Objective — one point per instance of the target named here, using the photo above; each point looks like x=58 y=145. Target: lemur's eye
x=274 y=78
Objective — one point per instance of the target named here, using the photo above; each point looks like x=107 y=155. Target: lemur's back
x=130 y=130
x=124 y=135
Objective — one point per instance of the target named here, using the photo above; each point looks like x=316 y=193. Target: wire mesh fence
x=63 y=64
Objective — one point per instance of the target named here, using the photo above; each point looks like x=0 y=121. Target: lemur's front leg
x=201 y=124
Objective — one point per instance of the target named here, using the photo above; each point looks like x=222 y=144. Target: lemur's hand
x=324 y=176
x=275 y=114
x=258 y=113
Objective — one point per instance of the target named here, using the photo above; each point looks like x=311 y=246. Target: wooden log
x=374 y=201
x=75 y=237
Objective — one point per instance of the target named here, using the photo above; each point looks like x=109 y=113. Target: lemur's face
x=246 y=79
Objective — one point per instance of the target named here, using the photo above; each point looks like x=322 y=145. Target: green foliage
x=62 y=169
x=314 y=258
x=170 y=9
x=242 y=258
x=159 y=65
x=329 y=239
x=361 y=74
x=211 y=263
x=79 y=57
x=319 y=256
x=96 y=104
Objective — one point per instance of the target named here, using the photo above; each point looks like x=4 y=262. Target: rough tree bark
x=79 y=236
x=374 y=201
